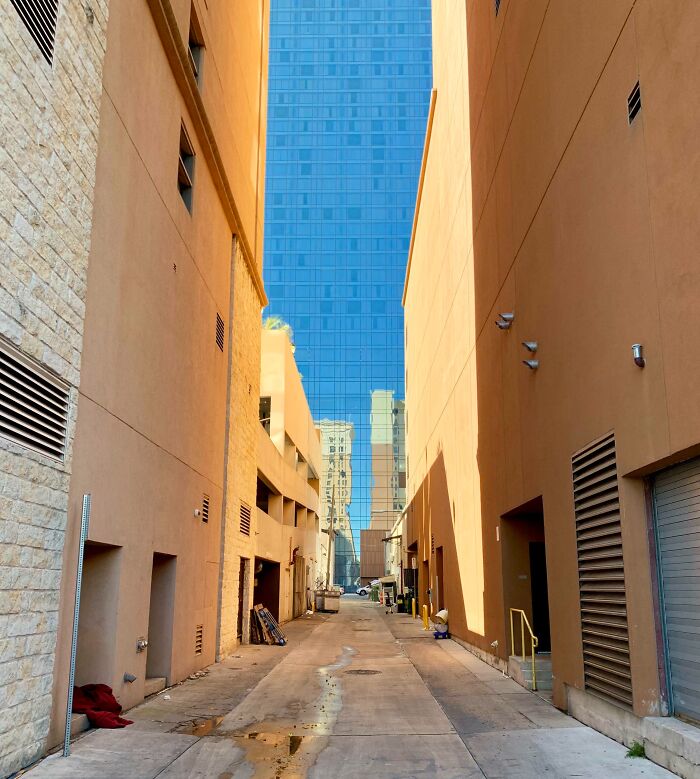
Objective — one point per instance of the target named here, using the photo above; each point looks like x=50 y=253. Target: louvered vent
x=606 y=658
x=198 y=639
x=432 y=543
x=245 y=519
x=39 y=17
x=634 y=103
x=220 y=332
x=205 y=508
x=33 y=404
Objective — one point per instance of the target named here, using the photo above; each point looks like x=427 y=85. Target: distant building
x=388 y=488
x=287 y=554
x=336 y=491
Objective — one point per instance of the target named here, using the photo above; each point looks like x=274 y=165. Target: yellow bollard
x=426 y=625
x=413 y=608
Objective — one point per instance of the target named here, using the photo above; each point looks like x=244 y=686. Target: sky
x=349 y=90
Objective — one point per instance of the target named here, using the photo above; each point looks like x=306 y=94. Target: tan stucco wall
x=49 y=122
x=540 y=199
x=154 y=435
x=297 y=500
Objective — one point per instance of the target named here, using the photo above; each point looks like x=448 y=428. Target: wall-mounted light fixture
x=638 y=355
x=504 y=321
x=531 y=346
x=533 y=365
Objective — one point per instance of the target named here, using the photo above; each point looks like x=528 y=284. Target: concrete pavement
x=355 y=694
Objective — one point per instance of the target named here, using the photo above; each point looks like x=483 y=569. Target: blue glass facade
x=349 y=89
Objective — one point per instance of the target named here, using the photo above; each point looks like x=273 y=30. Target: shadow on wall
x=431 y=526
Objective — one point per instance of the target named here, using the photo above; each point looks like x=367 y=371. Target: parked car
x=367 y=588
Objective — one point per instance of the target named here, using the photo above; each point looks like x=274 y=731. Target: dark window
x=498 y=6
x=265 y=412
x=185 y=168
x=195 y=46
x=634 y=103
x=220 y=332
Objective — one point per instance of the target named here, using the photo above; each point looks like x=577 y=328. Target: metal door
x=677 y=513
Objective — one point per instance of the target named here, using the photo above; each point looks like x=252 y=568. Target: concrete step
x=521 y=671
x=78 y=724
x=152 y=685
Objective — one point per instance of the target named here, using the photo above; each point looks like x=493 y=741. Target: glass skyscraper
x=349 y=89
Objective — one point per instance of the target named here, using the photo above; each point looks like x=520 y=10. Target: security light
x=531 y=346
x=533 y=365
x=638 y=355
x=504 y=321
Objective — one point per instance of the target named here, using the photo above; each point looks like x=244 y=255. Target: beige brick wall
x=49 y=118
x=241 y=469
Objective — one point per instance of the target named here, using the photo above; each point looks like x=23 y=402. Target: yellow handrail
x=533 y=641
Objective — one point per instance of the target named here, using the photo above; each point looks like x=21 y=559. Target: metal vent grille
x=220 y=332
x=634 y=103
x=33 y=404
x=39 y=17
x=606 y=658
x=198 y=639
x=245 y=519
x=205 y=508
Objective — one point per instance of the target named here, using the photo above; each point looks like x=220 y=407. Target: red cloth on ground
x=100 y=706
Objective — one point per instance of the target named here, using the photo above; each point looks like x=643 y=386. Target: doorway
x=439 y=581
x=424 y=597
x=266 y=588
x=160 y=618
x=97 y=626
x=524 y=566
x=299 y=601
x=242 y=575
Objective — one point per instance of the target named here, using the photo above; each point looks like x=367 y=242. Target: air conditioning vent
x=245 y=519
x=205 y=508
x=601 y=573
x=220 y=332
x=39 y=17
x=634 y=103
x=198 y=639
x=33 y=404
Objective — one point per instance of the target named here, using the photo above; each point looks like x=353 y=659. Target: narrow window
x=634 y=103
x=185 y=168
x=498 y=6
x=195 y=46
x=220 y=330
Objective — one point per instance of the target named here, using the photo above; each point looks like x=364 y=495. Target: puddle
x=199 y=727
x=288 y=748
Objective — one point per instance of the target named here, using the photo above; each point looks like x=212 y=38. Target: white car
x=367 y=588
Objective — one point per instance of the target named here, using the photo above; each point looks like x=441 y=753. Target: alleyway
x=358 y=694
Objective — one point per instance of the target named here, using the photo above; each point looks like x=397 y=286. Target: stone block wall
x=49 y=120
x=241 y=456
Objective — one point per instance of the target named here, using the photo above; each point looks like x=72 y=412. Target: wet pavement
x=357 y=694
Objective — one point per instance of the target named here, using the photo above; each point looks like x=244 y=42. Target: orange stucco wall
x=539 y=198
x=151 y=435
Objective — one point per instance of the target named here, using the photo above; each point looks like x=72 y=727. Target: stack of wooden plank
x=266 y=628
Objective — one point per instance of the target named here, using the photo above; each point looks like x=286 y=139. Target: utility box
x=327 y=600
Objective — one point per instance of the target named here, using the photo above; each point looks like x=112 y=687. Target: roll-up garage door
x=677 y=510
